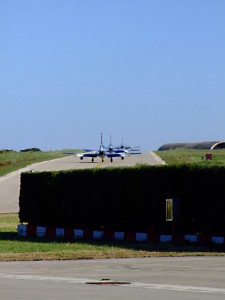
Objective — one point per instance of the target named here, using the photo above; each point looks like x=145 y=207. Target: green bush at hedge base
x=126 y=199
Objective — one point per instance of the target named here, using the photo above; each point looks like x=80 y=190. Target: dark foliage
x=127 y=199
x=31 y=150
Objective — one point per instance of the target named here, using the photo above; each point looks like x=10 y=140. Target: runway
x=10 y=184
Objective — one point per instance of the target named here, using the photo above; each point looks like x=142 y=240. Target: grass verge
x=14 y=248
x=11 y=160
x=192 y=156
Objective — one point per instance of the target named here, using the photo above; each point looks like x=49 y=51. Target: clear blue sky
x=150 y=72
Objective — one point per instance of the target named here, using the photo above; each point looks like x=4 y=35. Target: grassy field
x=11 y=160
x=192 y=156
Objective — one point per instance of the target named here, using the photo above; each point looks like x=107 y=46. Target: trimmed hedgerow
x=126 y=198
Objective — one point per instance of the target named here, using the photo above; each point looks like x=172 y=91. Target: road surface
x=196 y=278
x=10 y=184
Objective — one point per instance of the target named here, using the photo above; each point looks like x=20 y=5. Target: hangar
x=196 y=145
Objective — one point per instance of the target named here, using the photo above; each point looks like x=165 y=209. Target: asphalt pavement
x=144 y=278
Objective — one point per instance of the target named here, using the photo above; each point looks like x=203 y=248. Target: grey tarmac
x=144 y=278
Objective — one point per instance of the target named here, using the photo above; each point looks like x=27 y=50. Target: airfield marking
x=98 y=165
x=155 y=286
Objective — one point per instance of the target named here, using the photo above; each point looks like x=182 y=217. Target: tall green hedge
x=126 y=198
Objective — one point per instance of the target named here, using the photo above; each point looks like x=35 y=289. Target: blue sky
x=148 y=72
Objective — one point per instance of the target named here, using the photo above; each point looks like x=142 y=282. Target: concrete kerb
x=26 y=230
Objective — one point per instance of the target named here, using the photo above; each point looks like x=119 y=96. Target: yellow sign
x=169 y=209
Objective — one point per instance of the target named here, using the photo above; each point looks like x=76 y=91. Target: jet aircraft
x=102 y=153
x=127 y=149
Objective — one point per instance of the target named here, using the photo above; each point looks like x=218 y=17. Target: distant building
x=197 y=145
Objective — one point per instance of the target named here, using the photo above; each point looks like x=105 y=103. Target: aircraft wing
x=88 y=154
x=127 y=151
x=114 y=154
x=119 y=150
x=133 y=152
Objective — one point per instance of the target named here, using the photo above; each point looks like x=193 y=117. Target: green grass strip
x=14 y=248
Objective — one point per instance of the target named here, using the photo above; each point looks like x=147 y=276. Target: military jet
x=102 y=153
x=127 y=149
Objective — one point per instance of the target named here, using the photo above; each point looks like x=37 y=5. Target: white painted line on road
x=46 y=278
x=157 y=158
x=181 y=288
x=73 y=280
